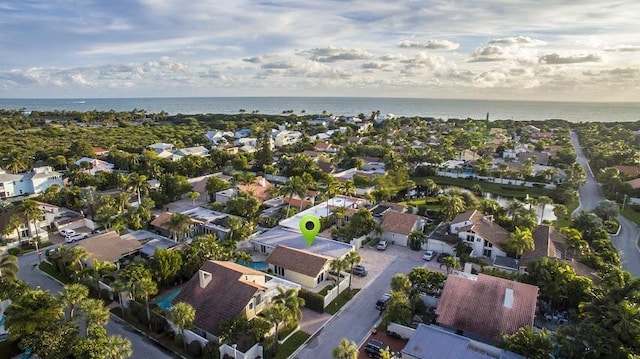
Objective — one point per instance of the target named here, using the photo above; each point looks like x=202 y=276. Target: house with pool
x=223 y=290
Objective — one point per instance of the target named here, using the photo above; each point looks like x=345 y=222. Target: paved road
x=590 y=196
x=357 y=317
x=142 y=347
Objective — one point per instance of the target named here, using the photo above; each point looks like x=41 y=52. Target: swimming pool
x=257 y=265
x=165 y=302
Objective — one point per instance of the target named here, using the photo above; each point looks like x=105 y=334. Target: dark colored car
x=359 y=270
x=374 y=347
x=382 y=302
x=442 y=256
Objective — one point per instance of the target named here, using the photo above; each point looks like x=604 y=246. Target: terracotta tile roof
x=635 y=183
x=223 y=298
x=484 y=226
x=482 y=306
x=394 y=206
x=326 y=167
x=544 y=239
x=259 y=188
x=109 y=247
x=297 y=260
x=631 y=171
x=98 y=150
x=162 y=220
x=401 y=223
x=297 y=202
x=323 y=145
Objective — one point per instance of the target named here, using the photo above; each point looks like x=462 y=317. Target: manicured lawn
x=288 y=347
x=632 y=215
x=566 y=221
x=49 y=269
x=341 y=300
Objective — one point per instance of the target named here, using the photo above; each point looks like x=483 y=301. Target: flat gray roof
x=323 y=246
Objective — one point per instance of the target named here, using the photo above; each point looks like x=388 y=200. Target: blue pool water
x=165 y=302
x=257 y=265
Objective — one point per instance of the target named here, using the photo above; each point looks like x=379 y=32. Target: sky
x=558 y=50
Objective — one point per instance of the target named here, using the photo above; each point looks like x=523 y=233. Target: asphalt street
x=142 y=346
x=590 y=196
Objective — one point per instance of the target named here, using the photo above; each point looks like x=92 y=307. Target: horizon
x=562 y=51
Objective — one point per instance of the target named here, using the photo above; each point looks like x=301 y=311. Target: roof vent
x=508 y=298
x=205 y=278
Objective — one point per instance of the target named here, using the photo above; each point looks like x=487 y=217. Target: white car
x=76 y=237
x=67 y=232
x=429 y=255
x=382 y=245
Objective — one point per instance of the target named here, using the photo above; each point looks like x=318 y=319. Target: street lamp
x=234 y=346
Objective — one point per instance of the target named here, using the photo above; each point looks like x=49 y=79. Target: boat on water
x=79 y=102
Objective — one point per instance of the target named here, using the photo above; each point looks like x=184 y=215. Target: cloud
x=623 y=48
x=277 y=66
x=333 y=54
x=390 y=57
x=489 y=53
x=253 y=60
x=557 y=59
x=617 y=72
x=423 y=61
x=516 y=40
x=376 y=65
x=429 y=44
x=18 y=77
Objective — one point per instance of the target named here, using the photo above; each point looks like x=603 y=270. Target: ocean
x=349 y=106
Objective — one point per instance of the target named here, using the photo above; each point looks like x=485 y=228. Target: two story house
x=486 y=238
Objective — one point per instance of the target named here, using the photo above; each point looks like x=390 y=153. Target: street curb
x=375 y=325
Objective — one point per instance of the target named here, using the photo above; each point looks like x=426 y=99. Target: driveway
x=142 y=347
x=358 y=317
x=590 y=196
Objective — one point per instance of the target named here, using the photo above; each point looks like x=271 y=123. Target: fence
x=333 y=293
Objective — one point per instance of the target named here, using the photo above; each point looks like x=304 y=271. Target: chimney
x=508 y=298
x=205 y=278
x=262 y=182
x=488 y=219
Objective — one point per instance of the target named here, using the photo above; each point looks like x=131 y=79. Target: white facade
x=286 y=137
x=36 y=181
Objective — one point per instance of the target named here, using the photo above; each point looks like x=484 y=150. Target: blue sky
x=496 y=49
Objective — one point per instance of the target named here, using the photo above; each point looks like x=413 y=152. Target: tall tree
x=33 y=312
x=33 y=213
x=182 y=315
x=178 y=224
x=193 y=195
x=401 y=283
x=276 y=314
x=345 y=350
x=94 y=312
x=338 y=265
x=451 y=205
x=543 y=201
x=535 y=345
x=450 y=262
x=167 y=264
x=138 y=184
x=352 y=258
x=8 y=268
x=290 y=300
x=145 y=288
x=72 y=295
x=521 y=240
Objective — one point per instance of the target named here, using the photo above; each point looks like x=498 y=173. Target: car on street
x=382 y=245
x=359 y=270
x=428 y=255
x=76 y=237
x=67 y=232
x=382 y=302
x=374 y=348
x=442 y=256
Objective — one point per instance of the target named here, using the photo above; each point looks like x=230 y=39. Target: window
x=488 y=244
x=258 y=299
x=469 y=237
x=250 y=305
x=478 y=239
x=486 y=252
x=278 y=270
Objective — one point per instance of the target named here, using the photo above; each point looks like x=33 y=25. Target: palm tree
x=352 y=258
x=16 y=162
x=98 y=270
x=117 y=347
x=417 y=239
x=15 y=222
x=345 y=350
x=73 y=294
x=123 y=201
x=544 y=201
x=95 y=312
x=178 y=224
x=338 y=265
x=348 y=188
x=74 y=258
x=451 y=205
x=295 y=186
x=573 y=240
x=290 y=300
x=118 y=287
x=182 y=315
x=193 y=195
x=33 y=212
x=339 y=213
x=146 y=287
x=276 y=315
x=8 y=268
x=521 y=241
x=450 y=262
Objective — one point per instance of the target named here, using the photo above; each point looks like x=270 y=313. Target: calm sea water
x=438 y=108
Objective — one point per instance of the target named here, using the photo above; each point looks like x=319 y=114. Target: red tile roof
x=259 y=188
x=297 y=260
x=631 y=171
x=401 y=223
x=223 y=298
x=481 y=306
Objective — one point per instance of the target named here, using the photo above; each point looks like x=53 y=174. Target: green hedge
x=314 y=301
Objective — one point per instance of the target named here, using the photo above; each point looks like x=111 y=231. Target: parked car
x=382 y=245
x=442 y=256
x=382 y=302
x=76 y=237
x=428 y=255
x=374 y=347
x=359 y=270
x=67 y=232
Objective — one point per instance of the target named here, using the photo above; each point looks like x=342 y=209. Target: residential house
x=486 y=237
x=100 y=152
x=226 y=194
x=150 y=242
x=326 y=147
x=468 y=156
x=630 y=172
x=109 y=247
x=286 y=137
x=218 y=136
x=513 y=153
x=242 y=133
x=299 y=266
x=485 y=307
x=192 y=151
x=539 y=158
x=36 y=181
x=162 y=225
x=94 y=165
x=397 y=226
x=222 y=290
x=247 y=144
x=269 y=240
x=381 y=208
x=433 y=342
x=207 y=221
x=259 y=188
x=161 y=147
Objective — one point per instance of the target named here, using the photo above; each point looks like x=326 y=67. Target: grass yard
x=341 y=300
x=293 y=343
x=50 y=270
x=566 y=221
x=494 y=188
x=631 y=215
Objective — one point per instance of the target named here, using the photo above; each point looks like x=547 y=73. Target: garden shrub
x=14 y=251
x=195 y=348
x=314 y=301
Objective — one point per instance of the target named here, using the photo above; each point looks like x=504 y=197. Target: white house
x=398 y=226
x=286 y=137
x=299 y=266
x=216 y=136
x=36 y=181
x=487 y=238
x=161 y=147
x=96 y=165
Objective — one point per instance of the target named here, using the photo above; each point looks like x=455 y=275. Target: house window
x=488 y=244
x=486 y=252
x=250 y=305
x=469 y=238
x=263 y=249
x=259 y=299
x=478 y=239
x=278 y=270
